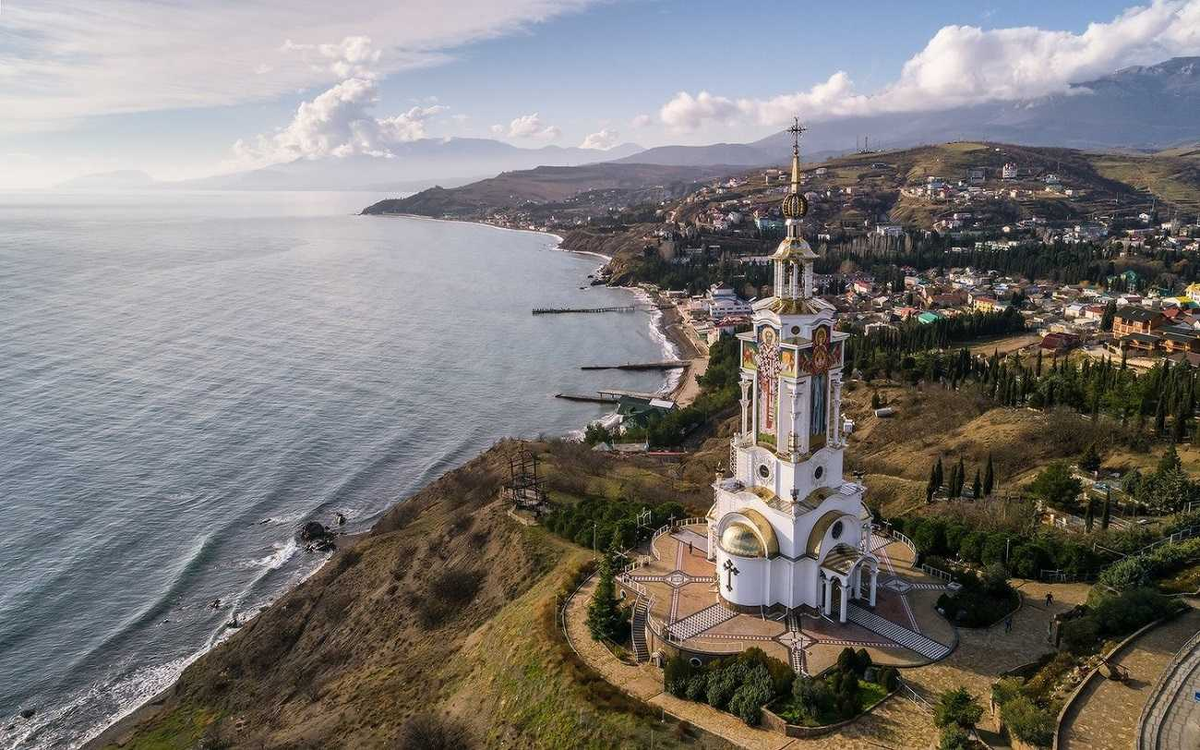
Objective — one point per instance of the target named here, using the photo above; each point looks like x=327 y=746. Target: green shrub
x=1079 y=635
x=957 y=706
x=754 y=693
x=723 y=682
x=889 y=678
x=678 y=674
x=697 y=686
x=954 y=737
x=1028 y=722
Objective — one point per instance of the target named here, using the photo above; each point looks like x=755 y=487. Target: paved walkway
x=1105 y=715
x=1180 y=727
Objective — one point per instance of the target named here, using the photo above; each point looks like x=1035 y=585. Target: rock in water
x=28 y=713
x=313 y=531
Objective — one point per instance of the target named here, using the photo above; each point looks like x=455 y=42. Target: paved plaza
x=1106 y=713
x=902 y=629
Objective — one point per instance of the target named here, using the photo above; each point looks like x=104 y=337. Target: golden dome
x=739 y=539
x=751 y=535
x=795 y=206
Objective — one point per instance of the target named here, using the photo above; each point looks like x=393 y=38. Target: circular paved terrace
x=903 y=629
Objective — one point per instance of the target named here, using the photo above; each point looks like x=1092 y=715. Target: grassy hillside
x=624 y=183
x=439 y=623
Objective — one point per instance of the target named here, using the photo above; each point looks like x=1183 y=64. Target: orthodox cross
x=730 y=571
x=796 y=130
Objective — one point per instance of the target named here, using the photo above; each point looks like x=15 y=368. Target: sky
x=190 y=88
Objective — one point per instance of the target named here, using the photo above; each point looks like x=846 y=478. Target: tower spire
x=796 y=130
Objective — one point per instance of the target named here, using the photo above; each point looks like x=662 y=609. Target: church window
x=836 y=532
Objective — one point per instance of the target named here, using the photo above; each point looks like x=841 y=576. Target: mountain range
x=1144 y=108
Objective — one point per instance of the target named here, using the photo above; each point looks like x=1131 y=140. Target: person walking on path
x=689 y=547
x=1008 y=624
x=1049 y=598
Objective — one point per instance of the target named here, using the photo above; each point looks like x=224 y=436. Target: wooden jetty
x=609 y=396
x=595 y=399
x=565 y=310
x=672 y=364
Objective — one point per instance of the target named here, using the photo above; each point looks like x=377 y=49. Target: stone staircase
x=698 y=622
x=914 y=641
x=640 y=651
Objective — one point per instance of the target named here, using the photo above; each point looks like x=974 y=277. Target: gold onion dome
x=739 y=539
x=794 y=206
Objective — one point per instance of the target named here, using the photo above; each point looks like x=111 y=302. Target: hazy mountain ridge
x=550 y=185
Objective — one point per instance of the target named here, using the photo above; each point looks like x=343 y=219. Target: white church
x=787 y=529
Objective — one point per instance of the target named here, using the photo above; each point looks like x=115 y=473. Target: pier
x=608 y=396
x=564 y=310
x=671 y=364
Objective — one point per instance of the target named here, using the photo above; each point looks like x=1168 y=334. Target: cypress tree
x=1104 y=516
x=932 y=486
x=989 y=477
x=1089 y=517
x=604 y=617
x=976 y=487
x=939 y=474
x=961 y=478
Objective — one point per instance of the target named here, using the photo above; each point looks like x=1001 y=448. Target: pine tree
x=1104 y=516
x=989 y=478
x=976 y=487
x=604 y=616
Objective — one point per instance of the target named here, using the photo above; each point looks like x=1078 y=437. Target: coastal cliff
x=435 y=629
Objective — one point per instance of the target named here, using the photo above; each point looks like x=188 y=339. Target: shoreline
x=666 y=324
x=112 y=734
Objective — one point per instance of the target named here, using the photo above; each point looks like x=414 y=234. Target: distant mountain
x=1145 y=108
x=588 y=187
x=125 y=179
x=413 y=166
x=734 y=154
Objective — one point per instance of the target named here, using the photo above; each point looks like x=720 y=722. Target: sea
x=187 y=378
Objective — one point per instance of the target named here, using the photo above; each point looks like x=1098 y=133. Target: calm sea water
x=187 y=378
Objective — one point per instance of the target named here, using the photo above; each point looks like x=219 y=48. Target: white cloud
x=353 y=57
x=602 y=139
x=642 y=121
x=531 y=126
x=62 y=60
x=964 y=65
x=337 y=123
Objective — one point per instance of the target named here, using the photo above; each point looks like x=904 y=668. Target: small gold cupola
x=793 y=258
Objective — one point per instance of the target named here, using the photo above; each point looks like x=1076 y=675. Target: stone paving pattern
x=682 y=582
x=897 y=724
x=1105 y=715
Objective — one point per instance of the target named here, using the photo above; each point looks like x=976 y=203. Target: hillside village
x=1089 y=261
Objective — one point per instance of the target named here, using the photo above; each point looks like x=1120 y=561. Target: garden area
x=743 y=684
x=740 y=685
x=846 y=690
x=982 y=600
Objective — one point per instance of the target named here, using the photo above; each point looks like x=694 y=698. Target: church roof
x=794 y=248
x=842 y=559
x=764 y=543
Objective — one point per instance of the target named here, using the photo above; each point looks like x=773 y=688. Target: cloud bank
x=61 y=61
x=963 y=65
